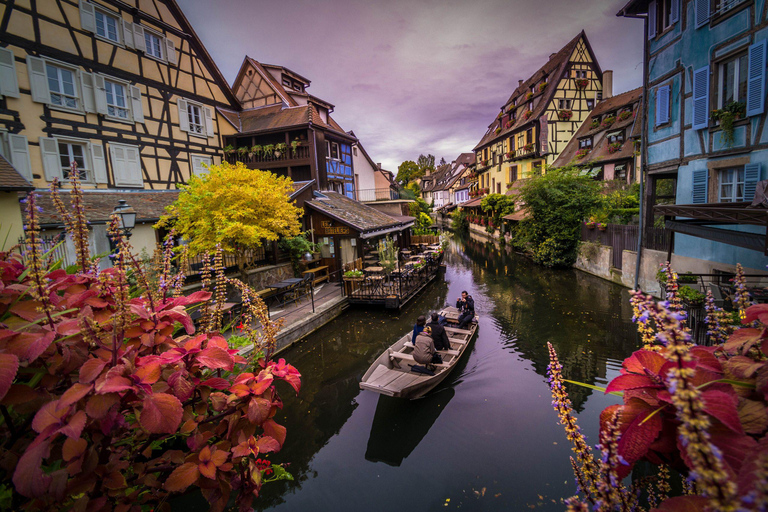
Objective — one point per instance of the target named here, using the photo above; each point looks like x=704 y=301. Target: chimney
x=607 y=84
x=378 y=164
x=519 y=83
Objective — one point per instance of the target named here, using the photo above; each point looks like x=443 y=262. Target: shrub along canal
x=487 y=438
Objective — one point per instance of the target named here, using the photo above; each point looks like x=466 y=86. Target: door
x=348 y=251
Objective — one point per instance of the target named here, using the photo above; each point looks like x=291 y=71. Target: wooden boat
x=392 y=372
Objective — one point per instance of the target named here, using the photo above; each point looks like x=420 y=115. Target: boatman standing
x=466 y=306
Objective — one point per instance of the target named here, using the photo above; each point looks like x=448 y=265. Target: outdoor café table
x=406 y=253
x=374 y=270
x=284 y=286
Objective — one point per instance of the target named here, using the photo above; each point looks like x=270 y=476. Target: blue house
x=706 y=139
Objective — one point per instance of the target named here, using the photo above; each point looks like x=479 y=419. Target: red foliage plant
x=115 y=403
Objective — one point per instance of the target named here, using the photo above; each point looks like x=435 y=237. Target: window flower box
x=608 y=121
x=528 y=148
x=625 y=115
x=497 y=130
x=509 y=154
x=542 y=86
x=582 y=153
x=528 y=114
x=590 y=224
x=615 y=147
x=565 y=115
x=595 y=123
x=485 y=163
x=582 y=83
x=508 y=124
x=529 y=96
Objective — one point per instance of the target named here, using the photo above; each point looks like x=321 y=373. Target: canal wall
x=302 y=328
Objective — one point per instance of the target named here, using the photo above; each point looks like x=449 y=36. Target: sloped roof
x=600 y=146
x=278 y=117
x=553 y=70
x=149 y=204
x=472 y=203
x=298 y=186
x=10 y=179
x=357 y=215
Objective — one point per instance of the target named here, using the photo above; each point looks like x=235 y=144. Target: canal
x=487 y=438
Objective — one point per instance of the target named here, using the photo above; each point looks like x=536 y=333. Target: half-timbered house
x=540 y=117
x=123 y=88
x=288 y=131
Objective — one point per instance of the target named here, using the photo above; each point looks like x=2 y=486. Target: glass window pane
x=53 y=78
x=730 y=70
x=742 y=86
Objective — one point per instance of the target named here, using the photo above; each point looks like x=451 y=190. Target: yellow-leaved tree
x=236 y=207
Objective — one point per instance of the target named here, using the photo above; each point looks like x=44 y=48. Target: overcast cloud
x=410 y=77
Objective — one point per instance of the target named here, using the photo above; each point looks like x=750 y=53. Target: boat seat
x=448 y=352
x=409 y=357
x=458 y=331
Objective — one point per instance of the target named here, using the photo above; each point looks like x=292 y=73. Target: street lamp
x=126 y=216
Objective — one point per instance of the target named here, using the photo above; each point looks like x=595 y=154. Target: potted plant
x=614 y=147
x=625 y=115
x=582 y=153
x=691 y=297
x=256 y=150
x=565 y=115
x=529 y=96
x=528 y=148
x=528 y=114
x=726 y=116
x=582 y=83
x=497 y=130
x=229 y=149
x=590 y=223
x=243 y=151
x=353 y=275
x=269 y=149
x=601 y=226
x=508 y=124
x=509 y=154
x=485 y=163
x=280 y=149
x=594 y=124
x=608 y=121
x=294 y=147
x=542 y=86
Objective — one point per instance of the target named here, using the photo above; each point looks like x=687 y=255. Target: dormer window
x=585 y=143
x=286 y=81
x=615 y=136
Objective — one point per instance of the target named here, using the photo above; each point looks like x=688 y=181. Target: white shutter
x=652 y=19
x=128 y=34
x=20 y=154
x=133 y=161
x=117 y=157
x=100 y=94
x=87 y=17
x=89 y=99
x=662 y=105
x=137 y=109
x=209 y=121
x=756 y=79
x=701 y=9
x=197 y=164
x=170 y=52
x=9 y=85
x=183 y=115
x=49 y=150
x=38 y=80
x=138 y=38
x=99 y=163
x=126 y=165
x=700 y=98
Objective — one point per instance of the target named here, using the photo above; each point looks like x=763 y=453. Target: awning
x=517 y=216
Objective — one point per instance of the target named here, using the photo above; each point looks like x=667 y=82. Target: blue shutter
x=652 y=19
x=674 y=12
x=662 y=105
x=701 y=98
x=751 y=177
x=700 y=186
x=756 y=79
x=702 y=12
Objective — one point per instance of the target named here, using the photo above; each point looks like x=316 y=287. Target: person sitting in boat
x=439 y=336
x=420 y=323
x=466 y=306
x=424 y=350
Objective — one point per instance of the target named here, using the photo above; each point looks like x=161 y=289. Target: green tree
x=406 y=172
x=557 y=203
x=425 y=163
x=235 y=207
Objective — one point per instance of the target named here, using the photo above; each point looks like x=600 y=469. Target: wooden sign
x=329 y=229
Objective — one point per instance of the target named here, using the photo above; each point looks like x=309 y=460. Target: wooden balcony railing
x=301 y=152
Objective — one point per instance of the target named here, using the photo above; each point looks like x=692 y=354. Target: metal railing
x=369 y=195
x=301 y=152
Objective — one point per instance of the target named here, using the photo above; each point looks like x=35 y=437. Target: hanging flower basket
x=601 y=226
x=582 y=83
x=614 y=147
x=565 y=115
x=590 y=225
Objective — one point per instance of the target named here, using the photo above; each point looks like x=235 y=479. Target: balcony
x=270 y=158
x=527 y=151
x=370 y=195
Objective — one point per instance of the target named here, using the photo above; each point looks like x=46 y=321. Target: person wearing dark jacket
x=466 y=306
x=439 y=336
x=418 y=327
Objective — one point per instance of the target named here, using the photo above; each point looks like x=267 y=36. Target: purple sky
x=410 y=77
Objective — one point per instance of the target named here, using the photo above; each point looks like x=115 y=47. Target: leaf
x=28 y=478
x=48 y=415
x=272 y=429
x=267 y=444
x=99 y=405
x=148 y=373
x=39 y=345
x=75 y=426
x=182 y=477
x=642 y=361
x=9 y=365
x=74 y=394
x=215 y=357
x=258 y=410
x=742 y=340
x=742 y=367
x=161 y=413
x=91 y=369
x=114 y=480
x=722 y=406
x=753 y=416
x=640 y=426
x=216 y=383
x=628 y=381
x=73 y=448
x=756 y=312
x=683 y=504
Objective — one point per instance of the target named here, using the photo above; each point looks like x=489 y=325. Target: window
x=354 y=150
x=663 y=13
x=731 y=185
x=620 y=172
x=350 y=190
x=61 y=84
x=732 y=81
x=107 y=26
x=200 y=164
x=513 y=173
x=529 y=136
x=585 y=143
x=333 y=150
x=722 y=6
x=617 y=136
x=530 y=105
x=194 y=114
x=537 y=168
x=579 y=73
x=498 y=188
x=117 y=105
x=590 y=104
x=286 y=81
x=73 y=152
x=564 y=104
x=154 y=44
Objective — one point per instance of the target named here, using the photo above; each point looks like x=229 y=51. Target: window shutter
x=133 y=169
x=138 y=38
x=700 y=186
x=674 y=11
x=751 y=177
x=756 y=79
x=100 y=94
x=137 y=108
x=87 y=17
x=702 y=12
x=183 y=115
x=128 y=34
x=170 y=52
x=89 y=99
x=9 y=85
x=38 y=81
x=652 y=19
x=99 y=163
x=701 y=98
x=662 y=105
x=20 y=154
x=197 y=164
x=209 y=121
x=49 y=150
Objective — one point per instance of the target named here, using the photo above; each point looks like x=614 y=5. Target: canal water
x=487 y=438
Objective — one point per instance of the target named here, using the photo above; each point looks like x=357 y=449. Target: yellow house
x=540 y=117
x=124 y=88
